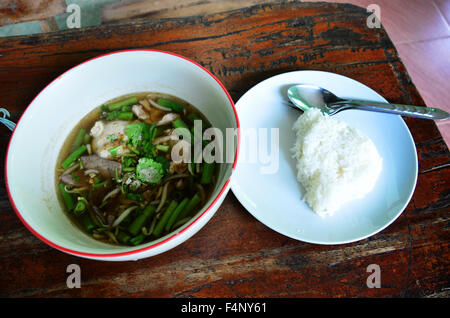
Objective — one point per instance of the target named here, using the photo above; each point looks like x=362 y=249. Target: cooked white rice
x=335 y=163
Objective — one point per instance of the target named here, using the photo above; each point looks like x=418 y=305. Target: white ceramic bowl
x=45 y=124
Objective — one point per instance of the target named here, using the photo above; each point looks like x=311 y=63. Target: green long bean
x=175 y=214
x=126 y=102
x=123 y=237
x=165 y=217
x=87 y=138
x=178 y=123
x=87 y=222
x=169 y=104
x=189 y=207
x=137 y=239
x=125 y=116
x=193 y=117
x=80 y=207
x=73 y=156
x=136 y=226
x=67 y=197
x=207 y=173
x=79 y=139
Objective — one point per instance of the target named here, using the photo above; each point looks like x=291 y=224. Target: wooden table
x=234 y=255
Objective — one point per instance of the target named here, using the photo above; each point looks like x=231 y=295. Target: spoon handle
x=399 y=109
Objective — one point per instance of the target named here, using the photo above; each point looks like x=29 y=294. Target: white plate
x=276 y=199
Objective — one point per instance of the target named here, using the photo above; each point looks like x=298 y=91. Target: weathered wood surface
x=46 y=11
x=234 y=255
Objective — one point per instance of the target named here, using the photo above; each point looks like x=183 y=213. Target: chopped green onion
x=114 y=151
x=163 y=148
x=111 y=138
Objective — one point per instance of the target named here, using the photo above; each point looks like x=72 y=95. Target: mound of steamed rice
x=335 y=163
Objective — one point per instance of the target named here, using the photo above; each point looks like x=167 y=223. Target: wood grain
x=242 y=48
x=17 y=11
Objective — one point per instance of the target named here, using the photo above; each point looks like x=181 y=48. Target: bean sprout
x=124 y=215
x=156 y=105
x=75 y=190
x=163 y=197
x=74 y=166
x=89 y=171
x=111 y=194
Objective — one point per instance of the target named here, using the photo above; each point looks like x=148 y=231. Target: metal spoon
x=305 y=96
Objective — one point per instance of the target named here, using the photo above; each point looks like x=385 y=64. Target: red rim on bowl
x=139 y=250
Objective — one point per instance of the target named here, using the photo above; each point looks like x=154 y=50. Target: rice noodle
x=124 y=215
x=111 y=193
